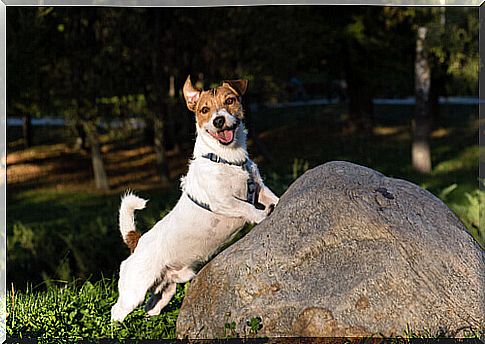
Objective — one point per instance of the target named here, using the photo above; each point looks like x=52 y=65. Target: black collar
x=215 y=158
x=200 y=204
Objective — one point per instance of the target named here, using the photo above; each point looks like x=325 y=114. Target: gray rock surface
x=347 y=252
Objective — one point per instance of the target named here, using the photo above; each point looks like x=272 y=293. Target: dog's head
x=218 y=111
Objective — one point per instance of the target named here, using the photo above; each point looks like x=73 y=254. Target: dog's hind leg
x=132 y=289
x=164 y=292
x=159 y=300
x=155 y=294
x=152 y=301
x=129 y=299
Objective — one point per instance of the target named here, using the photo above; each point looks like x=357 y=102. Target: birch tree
x=421 y=155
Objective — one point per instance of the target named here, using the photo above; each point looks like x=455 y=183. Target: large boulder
x=347 y=252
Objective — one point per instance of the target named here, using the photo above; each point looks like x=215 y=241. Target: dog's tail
x=130 y=203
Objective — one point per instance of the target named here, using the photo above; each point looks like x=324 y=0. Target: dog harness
x=245 y=165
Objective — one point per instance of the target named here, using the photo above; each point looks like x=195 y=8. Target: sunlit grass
x=467 y=159
x=74 y=311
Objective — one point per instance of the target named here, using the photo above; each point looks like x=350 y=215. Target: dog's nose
x=219 y=122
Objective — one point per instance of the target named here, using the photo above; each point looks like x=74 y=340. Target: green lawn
x=77 y=311
x=55 y=236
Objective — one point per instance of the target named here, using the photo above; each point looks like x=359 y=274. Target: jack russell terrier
x=219 y=195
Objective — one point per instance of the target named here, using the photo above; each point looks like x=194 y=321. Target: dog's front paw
x=275 y=200
x=258 y=216
x=269 y=209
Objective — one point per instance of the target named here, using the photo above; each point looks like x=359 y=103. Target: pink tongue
x=226 y=136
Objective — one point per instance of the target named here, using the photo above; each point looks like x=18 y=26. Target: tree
x=26 y=55
x=77 y=75
x=153 y=93
x=446 y=62
x=421 y=155
x=82 y=46
x=97 y=59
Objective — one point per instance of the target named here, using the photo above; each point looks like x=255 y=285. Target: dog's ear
x=191 y=94
x=239 y=86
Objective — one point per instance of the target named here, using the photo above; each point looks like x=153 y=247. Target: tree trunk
x=158 y=144
x=158 y=114
x=171 y=91
x=149 y=131
x=100 y=178
x=27 y=130
x=421 y=156
x=360 y=106
x=359 y=90
x=155 y=134
x=81 y=143
x=171 y=138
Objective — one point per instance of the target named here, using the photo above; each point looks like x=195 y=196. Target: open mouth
x=225 y=136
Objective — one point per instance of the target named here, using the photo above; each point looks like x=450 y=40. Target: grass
x=75 y=311
x=62 y=230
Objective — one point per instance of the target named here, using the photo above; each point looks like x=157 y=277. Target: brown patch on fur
x=215 y=99
x=204 y=103
x=131 y=240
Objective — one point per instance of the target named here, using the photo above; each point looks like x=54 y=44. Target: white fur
x=189 y=235
x=129 y=203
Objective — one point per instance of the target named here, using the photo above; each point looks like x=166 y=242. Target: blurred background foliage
x=95 y=106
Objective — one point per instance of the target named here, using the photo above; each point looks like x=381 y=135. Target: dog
x=219 y=195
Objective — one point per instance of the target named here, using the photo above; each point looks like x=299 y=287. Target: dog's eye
x=205 y=110
x=230 y=101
